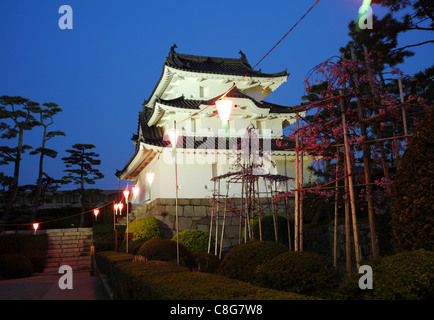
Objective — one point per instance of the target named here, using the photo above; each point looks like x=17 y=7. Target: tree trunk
x=37 y=197
x=14 y=189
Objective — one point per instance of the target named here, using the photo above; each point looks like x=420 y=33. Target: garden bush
x=403 y=276
x=15 y=265
x=195 y=240
x=147 y=280
x=146 y=227
x=267 y=227
x=33 y=247
x=104 y=236
x=244 y=260
x=206 y=262
x=165 y=250
x=301 y=272
x=133 y=247
x=413 y=208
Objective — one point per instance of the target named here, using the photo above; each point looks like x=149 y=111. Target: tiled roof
x=181 y=102
x=154 y=135
x=214 y=65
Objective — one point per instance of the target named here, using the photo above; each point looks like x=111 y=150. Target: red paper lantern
x=35 y=227
x=96 y=212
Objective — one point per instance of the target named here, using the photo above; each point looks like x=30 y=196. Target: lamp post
x=173 y=136
x=126 y=194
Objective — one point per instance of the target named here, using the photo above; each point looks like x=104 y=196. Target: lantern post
x=173 y=136
x=126 y=194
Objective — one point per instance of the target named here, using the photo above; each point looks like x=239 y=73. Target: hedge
x=403 y=276
x=301 y=272
x=165 y=280
x=244 y=260
x=28 y=247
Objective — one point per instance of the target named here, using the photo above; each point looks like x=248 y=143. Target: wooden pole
x=287 y=216
x=176 y=201
x=217 y=219
x=366 y=164
x=347 y=225
x=259 y=211
x=300 y=206
x=240 y=230
x=335 y=233
x=296 y=195
x=224 y=220
x=404 y=118
x=350 y=185
x=212 y=219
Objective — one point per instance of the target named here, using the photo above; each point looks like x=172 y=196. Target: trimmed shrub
x=301 y=272
x=15 y=265
x=165 y=250
x=34 y=247
x=134 y=246
x=413 y=208
x=195 y=240
x=104 y=236
x=206 y=262
x=403 y=276
x=150 y=280
x=146 y=227
x=244 y=260
x=267 y=228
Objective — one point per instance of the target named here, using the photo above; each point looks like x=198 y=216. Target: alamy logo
x=365 y=16
x=365 y=281
x=65 y=281
x=65 y=21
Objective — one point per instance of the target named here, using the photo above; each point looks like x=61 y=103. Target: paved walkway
x=46 y=287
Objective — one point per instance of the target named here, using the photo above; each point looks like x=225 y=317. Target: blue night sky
x=101 y=71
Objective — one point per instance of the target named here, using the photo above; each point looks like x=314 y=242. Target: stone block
x=200 y=211
x=188 y=211
x=184 y=202
x=166 y=201
x=184 y=223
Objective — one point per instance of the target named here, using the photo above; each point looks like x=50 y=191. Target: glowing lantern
x=135 y=191
x=173 y=135
x=35 y=227
x=116 y=206
x=126 y=194
x=120 y=206
x=224 y=108
x=150 y=177
x=96 y=212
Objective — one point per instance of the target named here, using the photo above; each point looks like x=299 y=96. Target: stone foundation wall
x=196 y=213
x=192 y=214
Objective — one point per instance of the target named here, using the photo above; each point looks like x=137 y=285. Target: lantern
x=150 y=178
x=173 y=136
x=224 y=108
x=135 y=191
x=116 y=206
x=126 y=194
x=120 y=206
x=96 y=212
x=35 y=227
